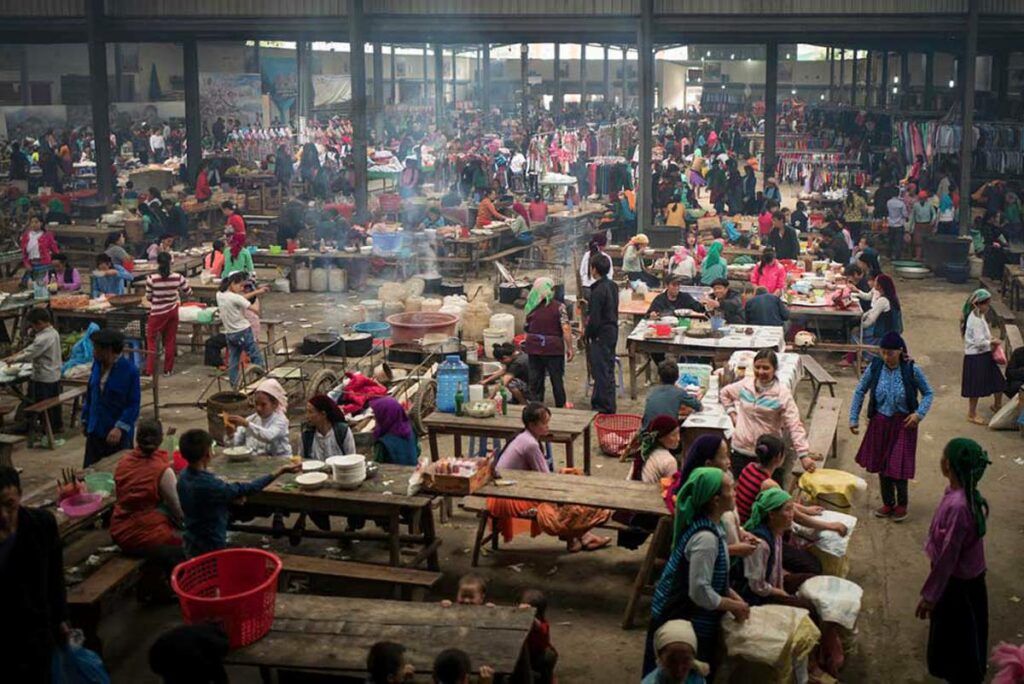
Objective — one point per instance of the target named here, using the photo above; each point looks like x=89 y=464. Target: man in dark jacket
x=666 y=303
x=783 y=239
x=883 y=195
x=726 y=301
x=31 y=586
x=765 y=308
x=20 y=164
x=602 y=332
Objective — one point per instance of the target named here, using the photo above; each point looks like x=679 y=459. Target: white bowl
x=310 y=481
x=313 y=466
x=347 y=461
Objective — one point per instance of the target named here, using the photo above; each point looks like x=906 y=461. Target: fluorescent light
x=723 y=86
x=793 y=91
x=895 y=79
x=952 y=83
x=895 y=90
x=709 y=53
x=822 y=96
x=789 y=56
x=732 y=56
x=699 y=79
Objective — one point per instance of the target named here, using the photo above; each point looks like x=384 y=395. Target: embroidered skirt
x=888 y=448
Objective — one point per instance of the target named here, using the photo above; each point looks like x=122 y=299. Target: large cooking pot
x=329 y=343
x=412 y=353
x=431 y=284
x=509 y=293
x=451 y=287
x=357 y=344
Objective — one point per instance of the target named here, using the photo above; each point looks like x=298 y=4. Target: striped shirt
x=165 y=293
x=748 y=487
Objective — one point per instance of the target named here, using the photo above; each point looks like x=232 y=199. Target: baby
x=472 y=592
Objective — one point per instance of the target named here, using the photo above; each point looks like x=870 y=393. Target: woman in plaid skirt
x=892 y=384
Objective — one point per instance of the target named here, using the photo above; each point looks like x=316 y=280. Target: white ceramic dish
x=313 y=466
x=238 y=453
x=347 y=461
x=311 y=481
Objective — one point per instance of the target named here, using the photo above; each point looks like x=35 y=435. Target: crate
x=709 y=222
x=457 y=485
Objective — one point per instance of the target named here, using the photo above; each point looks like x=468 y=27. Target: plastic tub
x=81 y=505
x=414 y=325
x=376 y=329
x=100 y=483
x=234 y=588
x=387 y=243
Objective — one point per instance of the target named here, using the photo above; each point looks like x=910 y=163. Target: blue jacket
x=117 y=405
x=206 y=501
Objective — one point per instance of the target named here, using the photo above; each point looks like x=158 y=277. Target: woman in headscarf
x=981 y=374
x=548 y=340
x=683 y=266
x=695 y=583
x=954 y=596
x=571 y=523
x=765 y=580
x=893 y=385
x=633 y=262
x=714 y=266
x=395 y=441
x=653 y=461
x=675 y=646
x=266 y=430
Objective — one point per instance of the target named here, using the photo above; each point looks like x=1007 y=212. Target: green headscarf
x=55 y=205
x=713 y=257
x=766 y=502
x=543 y=290
x=979 y=295
x=702 y=485
x=968 y=461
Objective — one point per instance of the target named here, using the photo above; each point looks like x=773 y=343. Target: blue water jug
x=450 y=374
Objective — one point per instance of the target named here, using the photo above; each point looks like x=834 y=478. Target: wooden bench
x=408 y=582
x=478 y=505
x=1013 y=339
x=1002 y=313
x=7 y=444
x=42 y=408
x=92 y=599
x=819 y=378
x=821 y=434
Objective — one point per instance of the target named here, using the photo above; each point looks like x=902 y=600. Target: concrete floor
x=587 y=592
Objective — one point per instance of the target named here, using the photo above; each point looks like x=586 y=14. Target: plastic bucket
x=492 y=336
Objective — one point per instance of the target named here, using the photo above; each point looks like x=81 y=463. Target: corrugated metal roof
x=1002 y=7
x=42 y=8
x=777 y=7
x=471 y=7
x=221 y=8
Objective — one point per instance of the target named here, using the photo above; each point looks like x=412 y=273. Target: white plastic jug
x=506 y=322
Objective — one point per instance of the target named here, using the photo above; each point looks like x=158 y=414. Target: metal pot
x=431 y=284
x=509 y=293
x=450 y=287
x=357 y=344
x=328 y=343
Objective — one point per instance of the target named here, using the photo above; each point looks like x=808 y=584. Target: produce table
x=566 y=426
x=381 y=496
x=332 y=635
x=759 y=337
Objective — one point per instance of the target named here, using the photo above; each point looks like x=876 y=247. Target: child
x=770 y=453
x=385 y=664
x=45 y=354
x=675 y=644
x=472 y=592
x=107 y=279
x=543 y=655
x=206 y=499
x=452 y=666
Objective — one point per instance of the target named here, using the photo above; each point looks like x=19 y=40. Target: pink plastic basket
x=616 y=430
x=234 y=588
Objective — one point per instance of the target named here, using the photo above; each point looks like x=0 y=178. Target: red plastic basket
x=616 y=430
x=234 y=588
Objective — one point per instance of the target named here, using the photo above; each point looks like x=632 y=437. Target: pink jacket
x=47 y=248
x=771 y=412
x=771 y=278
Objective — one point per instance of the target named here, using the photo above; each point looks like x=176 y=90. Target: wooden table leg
x=457 y=437
x=570 y=462
x=429 y=536
x=586 y=450
x=395 y=537
x=432 y=438
x=646 y=569
x=632 y=373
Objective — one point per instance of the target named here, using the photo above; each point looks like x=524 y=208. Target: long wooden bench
x=42 y=408
x=821 y=434
x=819 y=378
x=92 y=599
x=7 y=444
x=1013 y=339
x=408 y=582
x=1002 y=313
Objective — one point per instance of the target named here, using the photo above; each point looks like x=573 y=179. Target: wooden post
x=24 y=83
x=357 y=67
x=583 y=76
x=883 y=93
x=1001 y=67
x=557 y=105
x=868 y=85
x=842 y=75
x=485 y=85
x=607 y=78
x=100 y=99
x=378 y=91
x=904 y=79
x=645 y=64
x=438 y=84
x=853 y=84
x=967 y=140
x=394 y=78
x=524 y=69
x=625 y=71
x=193 y=116
x=771 y=97
x=831 y=74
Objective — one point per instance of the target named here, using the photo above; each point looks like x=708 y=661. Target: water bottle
x=450 y=374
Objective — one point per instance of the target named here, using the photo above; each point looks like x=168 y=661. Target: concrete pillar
x=831 y=56
x=904 y=100
x=853 y=83
x=357 y=67
x=378 y=90
x=868 y=84
x=1001 y=69
x=967 y=107
x=557 y=105
x=100 y=100
x=607 y=74
x=438 y=84
x=771 y=107
x=842 y=75
x=193 y=117
x=394 y=79
x=455 y=77
x=524 y=73
x=883 y=91
x=485 y=78
x=583 y=76
x=645 y=69
x=625 y=71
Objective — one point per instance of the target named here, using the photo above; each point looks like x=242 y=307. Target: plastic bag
x=81 y=352
x=76 y=665
x=1004 y=418
x=773 y=635
x=828 y=541
x=836 y=599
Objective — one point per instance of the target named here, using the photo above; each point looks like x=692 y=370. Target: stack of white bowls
x=348 y=471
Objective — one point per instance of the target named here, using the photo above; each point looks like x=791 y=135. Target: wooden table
x=762 y=337
x=383 y=496
x=565 y=427
x=616 y=495
x=332 y=635
x=637 y=308
x=14 y=309
x=44 y=495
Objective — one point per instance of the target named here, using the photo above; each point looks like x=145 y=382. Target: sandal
x=595 y=543
x=976 y=420
x=574 y=546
